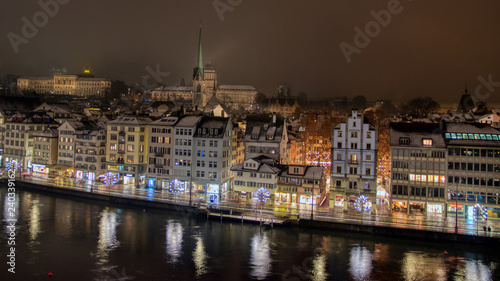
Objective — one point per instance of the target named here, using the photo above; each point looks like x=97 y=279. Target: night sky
x=429 y=48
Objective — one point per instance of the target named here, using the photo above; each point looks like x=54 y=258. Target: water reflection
x=200 y=257
x=260 y=256
x=420 y=266
x=34 y=220
x=174 y=231
x=360 y=264
x=107 y=236
x=319 y=272
x=476 y=270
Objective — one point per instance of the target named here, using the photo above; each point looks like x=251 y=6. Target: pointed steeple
x=198 y=70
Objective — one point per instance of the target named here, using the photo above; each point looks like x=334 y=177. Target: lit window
x=427 y=142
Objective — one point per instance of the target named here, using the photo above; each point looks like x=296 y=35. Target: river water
x=77 y=240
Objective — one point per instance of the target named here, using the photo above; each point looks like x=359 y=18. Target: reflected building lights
x=475 y=270
x=34 y=225
x=173 y=236
x=200 y=257
x=260 y=257
x=419 y=266
x=107 y=235
x=360 y=264
x=319 y=272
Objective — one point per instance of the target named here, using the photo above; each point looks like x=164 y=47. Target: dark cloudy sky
x=430 y=48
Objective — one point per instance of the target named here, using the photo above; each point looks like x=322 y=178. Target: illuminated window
x=427 y=142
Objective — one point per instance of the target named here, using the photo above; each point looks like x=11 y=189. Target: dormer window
x=427 y=142
x=404 y=140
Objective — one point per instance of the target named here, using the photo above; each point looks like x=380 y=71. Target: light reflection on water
x=319 y=270
x=107 y=240
x=34 y=220
x=260 y=256
x=173 y=239
x=360 y=265
x=159 y=245
x=200 y=256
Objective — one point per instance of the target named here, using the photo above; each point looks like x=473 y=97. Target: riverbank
x=278 y=221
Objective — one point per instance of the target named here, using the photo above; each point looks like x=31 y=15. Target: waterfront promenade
x=270 y=213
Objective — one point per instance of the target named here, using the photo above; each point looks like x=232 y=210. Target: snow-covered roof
x=237 y=87
x=188 y=121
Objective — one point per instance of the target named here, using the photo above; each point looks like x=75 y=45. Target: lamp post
x=312 y=200
x=456 y=208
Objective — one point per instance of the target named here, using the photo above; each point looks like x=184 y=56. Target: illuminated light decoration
x=480 y=210
x=12 y=165
x=262 y=195
x=110 y=179
x=363 y=204
x=175 y=186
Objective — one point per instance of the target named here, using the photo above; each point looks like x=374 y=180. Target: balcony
x=353 y=162
x=158 y=154
x=120 y=161
x=121 y=152
x=158 y=165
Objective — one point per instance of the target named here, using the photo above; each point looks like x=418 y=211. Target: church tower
x=199 y=85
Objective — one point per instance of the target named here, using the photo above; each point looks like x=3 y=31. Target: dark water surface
x=94 y=241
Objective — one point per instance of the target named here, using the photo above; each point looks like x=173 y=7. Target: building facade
x=354 y=161
x=20 y=130
x=473 y=156
x=266 y=135
x=160 y=150
x=126 y=153
x=77 y=85
x=418 y=175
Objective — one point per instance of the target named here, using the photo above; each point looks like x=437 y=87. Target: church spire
x=198 y=70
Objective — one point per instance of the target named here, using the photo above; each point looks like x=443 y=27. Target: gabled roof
x=188 y=121
x=211 y=127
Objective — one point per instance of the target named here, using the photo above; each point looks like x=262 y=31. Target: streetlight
x=363 y=204
x=312 y=199
x=456 y=209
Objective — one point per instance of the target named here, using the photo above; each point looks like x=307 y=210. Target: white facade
x=354 y=161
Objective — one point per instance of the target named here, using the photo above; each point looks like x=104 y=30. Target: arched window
x=198 y=88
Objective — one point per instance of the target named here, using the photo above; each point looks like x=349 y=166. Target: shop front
x=308 y=200
x=400 y=206
x=351 y=202
x=435 y=208
x=40 y=170
x=152 y=182
x=213 y=193
x=339 y=201
x=128 y=179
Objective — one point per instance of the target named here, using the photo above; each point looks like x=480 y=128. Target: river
x=83 y=240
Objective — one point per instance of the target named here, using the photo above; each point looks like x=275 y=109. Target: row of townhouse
x=445 y=167
x=284 y=183
x=171 y=153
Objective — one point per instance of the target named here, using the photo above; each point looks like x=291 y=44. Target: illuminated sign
x=40 y=169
